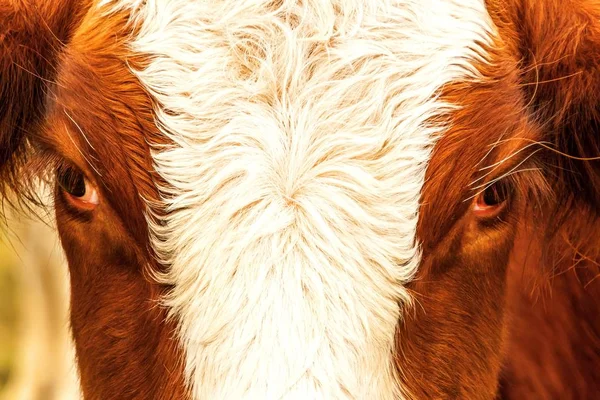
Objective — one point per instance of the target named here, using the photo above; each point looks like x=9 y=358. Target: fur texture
x=301 y=132
x=310 y=171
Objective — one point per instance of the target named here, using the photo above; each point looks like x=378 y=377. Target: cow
x=315 y=199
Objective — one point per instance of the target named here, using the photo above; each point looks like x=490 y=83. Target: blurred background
x=36 y=352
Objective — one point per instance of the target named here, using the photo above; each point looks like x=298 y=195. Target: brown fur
x=131 y=346
x=450 y=343
x=506 y=307
x=125 y=347
x=32 y=37
x=553 y=349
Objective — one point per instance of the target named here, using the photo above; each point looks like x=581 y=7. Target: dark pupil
x=496 y=194
x=71 y=181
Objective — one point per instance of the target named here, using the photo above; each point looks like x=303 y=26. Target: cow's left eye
x=77 y=188
x=493 y=199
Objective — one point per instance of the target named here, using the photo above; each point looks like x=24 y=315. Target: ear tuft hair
x=33 y=35
x=558 y=46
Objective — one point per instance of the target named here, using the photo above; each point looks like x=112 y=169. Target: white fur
x=300 y=141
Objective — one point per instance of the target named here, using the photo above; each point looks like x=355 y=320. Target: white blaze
x=301 y=136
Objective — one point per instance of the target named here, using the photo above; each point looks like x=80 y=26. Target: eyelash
x=45 y=167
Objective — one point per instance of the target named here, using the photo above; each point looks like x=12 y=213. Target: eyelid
x=78 y=205
x=488 y=211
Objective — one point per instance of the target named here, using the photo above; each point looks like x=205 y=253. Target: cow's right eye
x=77 y=188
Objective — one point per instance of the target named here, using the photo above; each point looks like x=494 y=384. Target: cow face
x=298 y=200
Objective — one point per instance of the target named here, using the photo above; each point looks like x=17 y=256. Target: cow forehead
x=299 y=134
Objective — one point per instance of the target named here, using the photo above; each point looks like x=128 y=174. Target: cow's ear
x=32 y=37
x=558 y=46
